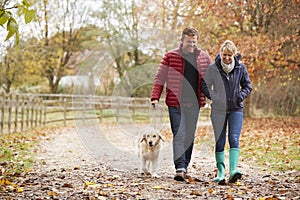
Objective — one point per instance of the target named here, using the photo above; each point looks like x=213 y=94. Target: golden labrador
x=150 y=144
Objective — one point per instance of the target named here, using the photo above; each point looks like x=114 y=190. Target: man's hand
x=154 y=103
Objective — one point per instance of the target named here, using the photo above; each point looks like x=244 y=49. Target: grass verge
x=17 y=151
x=273 y=143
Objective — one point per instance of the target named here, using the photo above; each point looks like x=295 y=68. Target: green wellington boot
x=220 y=157
x=233 y=162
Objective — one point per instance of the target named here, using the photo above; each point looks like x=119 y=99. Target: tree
x=266 y=33
x=121 y=36
x=12 y=68
x=57 y=46
x=8 y=19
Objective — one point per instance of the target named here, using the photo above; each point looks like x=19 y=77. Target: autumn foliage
x=266 y=33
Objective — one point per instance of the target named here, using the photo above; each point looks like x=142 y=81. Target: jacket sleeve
x=208 y=82
x=204 y=89
x=160 y=78
x=246 y=86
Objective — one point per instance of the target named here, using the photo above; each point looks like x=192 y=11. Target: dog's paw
x=145 y=173
x=155 y=175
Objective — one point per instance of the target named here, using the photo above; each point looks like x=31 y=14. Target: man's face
x=189 y=44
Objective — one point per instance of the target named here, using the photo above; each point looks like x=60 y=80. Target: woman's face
x=227 y=56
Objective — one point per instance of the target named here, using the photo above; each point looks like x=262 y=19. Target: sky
x=31 y=29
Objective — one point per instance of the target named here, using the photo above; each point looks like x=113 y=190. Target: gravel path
x=102 y=163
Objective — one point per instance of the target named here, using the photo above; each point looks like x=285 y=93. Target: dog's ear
x=161 y=138
x=143 y=138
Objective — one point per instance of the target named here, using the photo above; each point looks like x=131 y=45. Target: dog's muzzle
x=151 y=144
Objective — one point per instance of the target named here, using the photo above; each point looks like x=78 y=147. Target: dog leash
x=154 y=115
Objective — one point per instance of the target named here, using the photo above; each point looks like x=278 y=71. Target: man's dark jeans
x=183 y=124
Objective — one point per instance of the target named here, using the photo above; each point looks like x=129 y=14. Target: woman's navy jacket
x=227 y=91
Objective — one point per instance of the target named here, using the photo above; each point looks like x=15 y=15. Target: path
x=101 y=163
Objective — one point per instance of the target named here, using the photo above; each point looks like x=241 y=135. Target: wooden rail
x=20 y=112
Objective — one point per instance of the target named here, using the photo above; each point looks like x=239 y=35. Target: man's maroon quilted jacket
x=171 y=71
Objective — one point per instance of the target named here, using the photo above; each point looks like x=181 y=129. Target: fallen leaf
x=193 y=180
x=210 y=190
x=282 y=191
x=108 y=185
x=158 y=187
x=20 y=190
x=52 y=193
x=229 y=197
x=4 y=181
x=89 y=183
x=230 y=190
x=68 y=185
x=196 y=193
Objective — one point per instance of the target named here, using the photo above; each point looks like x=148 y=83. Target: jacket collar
x=236 y=59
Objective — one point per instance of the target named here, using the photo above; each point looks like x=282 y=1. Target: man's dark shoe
x=180 y=176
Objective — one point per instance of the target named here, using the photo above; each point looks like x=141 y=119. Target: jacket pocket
x=239 y=100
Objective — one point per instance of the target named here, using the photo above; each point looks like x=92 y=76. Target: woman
x=227 y=84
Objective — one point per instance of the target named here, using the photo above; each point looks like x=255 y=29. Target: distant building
x=79 y=80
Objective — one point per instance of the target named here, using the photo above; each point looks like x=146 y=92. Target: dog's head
x=151 y=138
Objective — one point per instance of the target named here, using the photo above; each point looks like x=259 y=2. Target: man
x=182 y=70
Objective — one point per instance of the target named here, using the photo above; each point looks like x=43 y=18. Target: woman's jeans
x=183 y=124
x=234 y=120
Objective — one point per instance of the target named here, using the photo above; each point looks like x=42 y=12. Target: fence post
x=36 y=111
x=101 y=110
x=2 y=112
x=22 y=112
x=41 y=110
x=84 y=108
x=16 y=112
x=45 y=114
x=32 y=112
x=27 y=113
x=9 y=113
x=65 y=111
x=118 y=108
x=133 y=108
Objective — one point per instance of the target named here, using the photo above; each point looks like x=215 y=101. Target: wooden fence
x=64 y=108
x=21 y=112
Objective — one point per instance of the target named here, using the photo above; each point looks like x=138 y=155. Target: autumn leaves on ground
x=270 y=160
x=272 y=143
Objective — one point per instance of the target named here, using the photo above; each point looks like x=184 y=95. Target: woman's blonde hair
x=230 y=46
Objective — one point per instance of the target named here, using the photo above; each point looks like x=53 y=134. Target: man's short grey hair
x=189 y=31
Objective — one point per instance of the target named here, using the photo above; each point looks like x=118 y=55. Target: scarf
x=227 y=68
